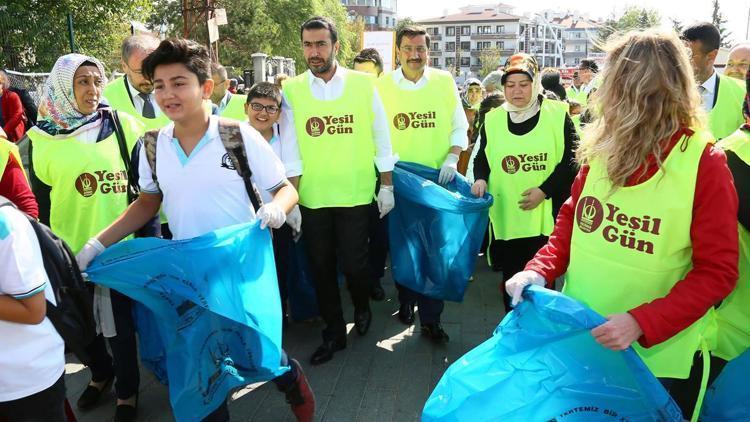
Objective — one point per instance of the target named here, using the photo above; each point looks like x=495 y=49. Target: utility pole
x=197 y=18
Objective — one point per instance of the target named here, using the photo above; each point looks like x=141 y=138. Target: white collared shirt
x=224 y=101
x=708 y=91
x=332 y=90
x=138 y=101
x=459 y=123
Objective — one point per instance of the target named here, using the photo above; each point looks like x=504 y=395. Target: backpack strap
x=149 y=144
x=121 y=143
x=231 y=138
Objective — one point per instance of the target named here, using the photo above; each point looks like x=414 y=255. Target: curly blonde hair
x=648 y=92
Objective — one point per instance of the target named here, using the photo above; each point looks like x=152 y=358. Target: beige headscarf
x=526 y=64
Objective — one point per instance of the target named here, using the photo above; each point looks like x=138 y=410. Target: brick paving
x=385 y=375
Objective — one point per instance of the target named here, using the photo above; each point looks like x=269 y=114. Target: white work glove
x=294 y=219
x=90 y=250
x=385 y=200
x=271 y=215
x=448 y=169
x=519 y=281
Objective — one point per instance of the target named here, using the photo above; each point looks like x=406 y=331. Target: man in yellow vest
x=339 y=123
x=428 y=126
x=575 y=91
x=722 y=96
x=738 y=61
x=229 y=105
x=134 y=94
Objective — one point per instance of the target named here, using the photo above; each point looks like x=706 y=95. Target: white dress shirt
x=331 y=90
x=138 y=101
x=707 y=93
x=459 y=124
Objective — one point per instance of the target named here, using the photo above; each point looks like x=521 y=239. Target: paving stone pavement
x=385 y=375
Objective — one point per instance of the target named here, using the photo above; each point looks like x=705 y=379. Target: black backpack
x=73 y=317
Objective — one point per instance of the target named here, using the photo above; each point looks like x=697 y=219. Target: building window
x=478 y=62
x=450 y=61
x=387 y=19
x=435 y=46
x=578 y=48
x=465 y=45
x=450 y=46
x=520 y=46
x=484 y=45
x=500 y=29
x=465 y=61
x=451 y=30
x=435 y=62
x=579 y=35
x=484 y=29
x=432 y=30
x=500 y=45
x=466 y=30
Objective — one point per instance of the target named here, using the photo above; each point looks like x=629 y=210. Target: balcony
x=436 y=53
x=436 y=37
x=494 y=36
x=503 y=53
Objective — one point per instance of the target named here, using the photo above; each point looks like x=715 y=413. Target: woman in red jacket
x=11 y=113
x=648 y=237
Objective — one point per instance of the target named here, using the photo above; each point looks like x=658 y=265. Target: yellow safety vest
x=632 y=246
x=420 y=120
x=578 y=96
x=733 y=316
x=726 y=116
x=518 y=163
x=235 y=108
x=335 y=141
x=116 y=93
x=88 y=181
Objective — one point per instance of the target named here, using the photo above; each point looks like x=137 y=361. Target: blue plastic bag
x=542 y=364
x=435 y=231
x=216 y=305
x=728 y=398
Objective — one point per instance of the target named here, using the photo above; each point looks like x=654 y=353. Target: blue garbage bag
x=542 y=364
x=151 y=348
x=303 y=302
x=435 y=232
x=216 y=308
x=728 y=398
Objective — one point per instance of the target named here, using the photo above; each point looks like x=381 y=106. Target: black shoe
x=325 y=352
x=376 y=291
x=435 y=332
x=406 y=314
x=362 y=321
x=91 y=394
x=125 y=413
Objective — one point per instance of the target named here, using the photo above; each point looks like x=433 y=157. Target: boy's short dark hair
x=588 y=64
x=412 y=31
x=706 y=33
x=320 y=22
x=179 y=50
x=370 y=55
x=264 y=90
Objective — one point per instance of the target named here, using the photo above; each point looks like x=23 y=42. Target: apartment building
x=579 y=36
x=378 y=15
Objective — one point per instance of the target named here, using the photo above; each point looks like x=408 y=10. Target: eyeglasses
x=409 y=49
x=270 y=109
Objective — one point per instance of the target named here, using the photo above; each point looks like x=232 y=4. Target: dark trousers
x=429 y=308
x=47 y=405
x=685 y=391
x=124 y=361
x=512 y=256
x=328 y=231
x=283 y=383
x=282 y=245
x=378 y=246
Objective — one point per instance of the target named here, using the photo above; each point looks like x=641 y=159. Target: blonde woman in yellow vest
x=648 y=237
x=526 y=162
x=80 y=179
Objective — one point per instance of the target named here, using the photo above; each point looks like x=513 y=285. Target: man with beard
x=133 y=94
x=339 y=123
x=428 y=126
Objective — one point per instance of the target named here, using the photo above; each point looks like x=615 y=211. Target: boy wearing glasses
x=263 y=108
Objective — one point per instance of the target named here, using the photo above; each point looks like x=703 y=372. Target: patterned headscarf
x=58 y=107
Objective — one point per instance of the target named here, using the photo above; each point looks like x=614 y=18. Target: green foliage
x=490 y=59
x=677 y=26
x=634 y=18
x=717 y=18
x=34 y=33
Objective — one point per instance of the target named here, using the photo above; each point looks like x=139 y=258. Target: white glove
x=90 y=250
x=294 y=219
x=385 y=200
x=271 y=215
x=448 y=169
x=516 y=284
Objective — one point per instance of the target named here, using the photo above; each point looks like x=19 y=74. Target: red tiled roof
x=573 y=23
x=489 y=14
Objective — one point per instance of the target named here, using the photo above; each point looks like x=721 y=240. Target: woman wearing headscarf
x=79 y=170
x=648 y=238
x=526 y=162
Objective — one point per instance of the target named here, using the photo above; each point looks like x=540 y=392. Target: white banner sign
x=384 y=42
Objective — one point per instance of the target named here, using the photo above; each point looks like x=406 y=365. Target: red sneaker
x=300 y=396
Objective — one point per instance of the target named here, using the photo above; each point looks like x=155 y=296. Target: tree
x=717 y=18
x=490 y=60
x=677 y=26
x=633 y=18
x=34 y=33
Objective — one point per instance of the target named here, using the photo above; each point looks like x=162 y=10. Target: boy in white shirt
x=198 y=187
x=32 y=353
